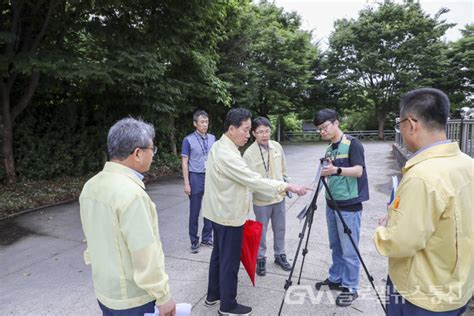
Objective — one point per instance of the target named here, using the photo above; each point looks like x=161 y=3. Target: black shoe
x=346 y=297
x=194 y=247
x=207 y=243
x=261 y=271
x=281 y=261
x=332 y=286
x=210 y=303
x=237 y=310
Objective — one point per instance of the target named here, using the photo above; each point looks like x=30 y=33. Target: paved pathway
x=42 y=271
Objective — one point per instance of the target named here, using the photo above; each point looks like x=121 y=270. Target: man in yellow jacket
x=121 y=227
x=225 y=204
x=428 y=235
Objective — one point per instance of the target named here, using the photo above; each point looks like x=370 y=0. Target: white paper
x=394 y=189
x=182 y=309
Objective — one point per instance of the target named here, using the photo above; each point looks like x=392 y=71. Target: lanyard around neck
x=265 y=165
x=203 y=145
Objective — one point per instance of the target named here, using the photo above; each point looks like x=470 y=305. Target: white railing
x=312 y=135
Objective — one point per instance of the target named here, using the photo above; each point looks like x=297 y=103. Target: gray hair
x=128 y=134
x=199 y=113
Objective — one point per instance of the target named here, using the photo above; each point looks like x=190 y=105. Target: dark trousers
x=136 y=311
x=196 y=181
x=224 y=265
x=398 y=306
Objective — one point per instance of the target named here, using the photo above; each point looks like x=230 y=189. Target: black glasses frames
x=154 y=149
x=397 y=124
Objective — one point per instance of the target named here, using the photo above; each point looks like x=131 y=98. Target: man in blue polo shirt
x=347 y=181
x=194 y=153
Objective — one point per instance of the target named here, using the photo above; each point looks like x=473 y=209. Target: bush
x=291 y=123
x=52 y=141
x=359 y=120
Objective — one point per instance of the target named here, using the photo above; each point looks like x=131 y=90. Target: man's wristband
x=339 y=171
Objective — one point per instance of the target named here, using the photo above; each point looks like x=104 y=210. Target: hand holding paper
x=182 y=309
x=394 y=190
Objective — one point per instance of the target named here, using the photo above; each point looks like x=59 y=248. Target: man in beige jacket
x=121 y=227
x=266 y=157
x=225 y=204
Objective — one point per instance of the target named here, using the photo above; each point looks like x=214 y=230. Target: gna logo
x=297 y=294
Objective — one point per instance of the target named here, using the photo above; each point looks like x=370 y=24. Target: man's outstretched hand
x=298 y=189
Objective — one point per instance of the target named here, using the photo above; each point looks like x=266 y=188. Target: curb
x=10 y=216
x=401 y=155
x=37 y=208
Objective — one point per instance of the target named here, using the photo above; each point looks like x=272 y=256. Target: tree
x=148 y=54
x=29 y=35
x=385 y=52
x=266 y=59
x=461 y=69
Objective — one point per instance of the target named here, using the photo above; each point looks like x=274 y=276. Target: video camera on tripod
x=308 y=213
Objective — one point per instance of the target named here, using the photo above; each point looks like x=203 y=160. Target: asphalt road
x=42 y=271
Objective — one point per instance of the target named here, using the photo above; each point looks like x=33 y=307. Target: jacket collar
x=228 y=142
x=256 y=145
x=442 y=150
x=121 y=169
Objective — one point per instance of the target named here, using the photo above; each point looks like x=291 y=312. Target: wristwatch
x=339 y=171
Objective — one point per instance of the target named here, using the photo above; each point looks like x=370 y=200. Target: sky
x=319 y=15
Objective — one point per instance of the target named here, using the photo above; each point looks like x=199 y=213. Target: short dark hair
x=325 y=115
x=429 y=105
x=259 y=121
x=235 y=117
x=199 y=113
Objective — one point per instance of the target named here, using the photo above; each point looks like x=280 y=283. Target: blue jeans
x=345 y=262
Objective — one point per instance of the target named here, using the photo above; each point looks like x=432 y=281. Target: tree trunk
x=8 y=159
x=381 y=116
x=172 y=136
x=9 y=114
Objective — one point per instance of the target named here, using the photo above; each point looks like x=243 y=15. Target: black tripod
x=308 y=212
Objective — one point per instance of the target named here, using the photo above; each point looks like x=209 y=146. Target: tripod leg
x=308 y=222
x=305 y=250
x=288 y=282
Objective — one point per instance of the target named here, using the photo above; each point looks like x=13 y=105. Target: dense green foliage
x=70 y=69
x=387 y=51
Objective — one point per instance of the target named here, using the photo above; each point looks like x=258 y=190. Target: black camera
x=324 y=161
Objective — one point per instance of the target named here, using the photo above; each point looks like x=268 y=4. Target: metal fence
x=460 y=130
x=312 y=135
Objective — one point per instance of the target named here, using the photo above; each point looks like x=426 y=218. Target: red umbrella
x=250 y=243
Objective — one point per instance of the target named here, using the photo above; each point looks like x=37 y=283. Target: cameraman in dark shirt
x=347 y=181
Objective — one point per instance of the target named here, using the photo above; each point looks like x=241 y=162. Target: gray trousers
x=275 y=212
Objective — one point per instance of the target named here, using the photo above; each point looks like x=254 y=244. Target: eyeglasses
x=154 y=149
x=397 y=124
x=264 y=132
x=324 y=127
